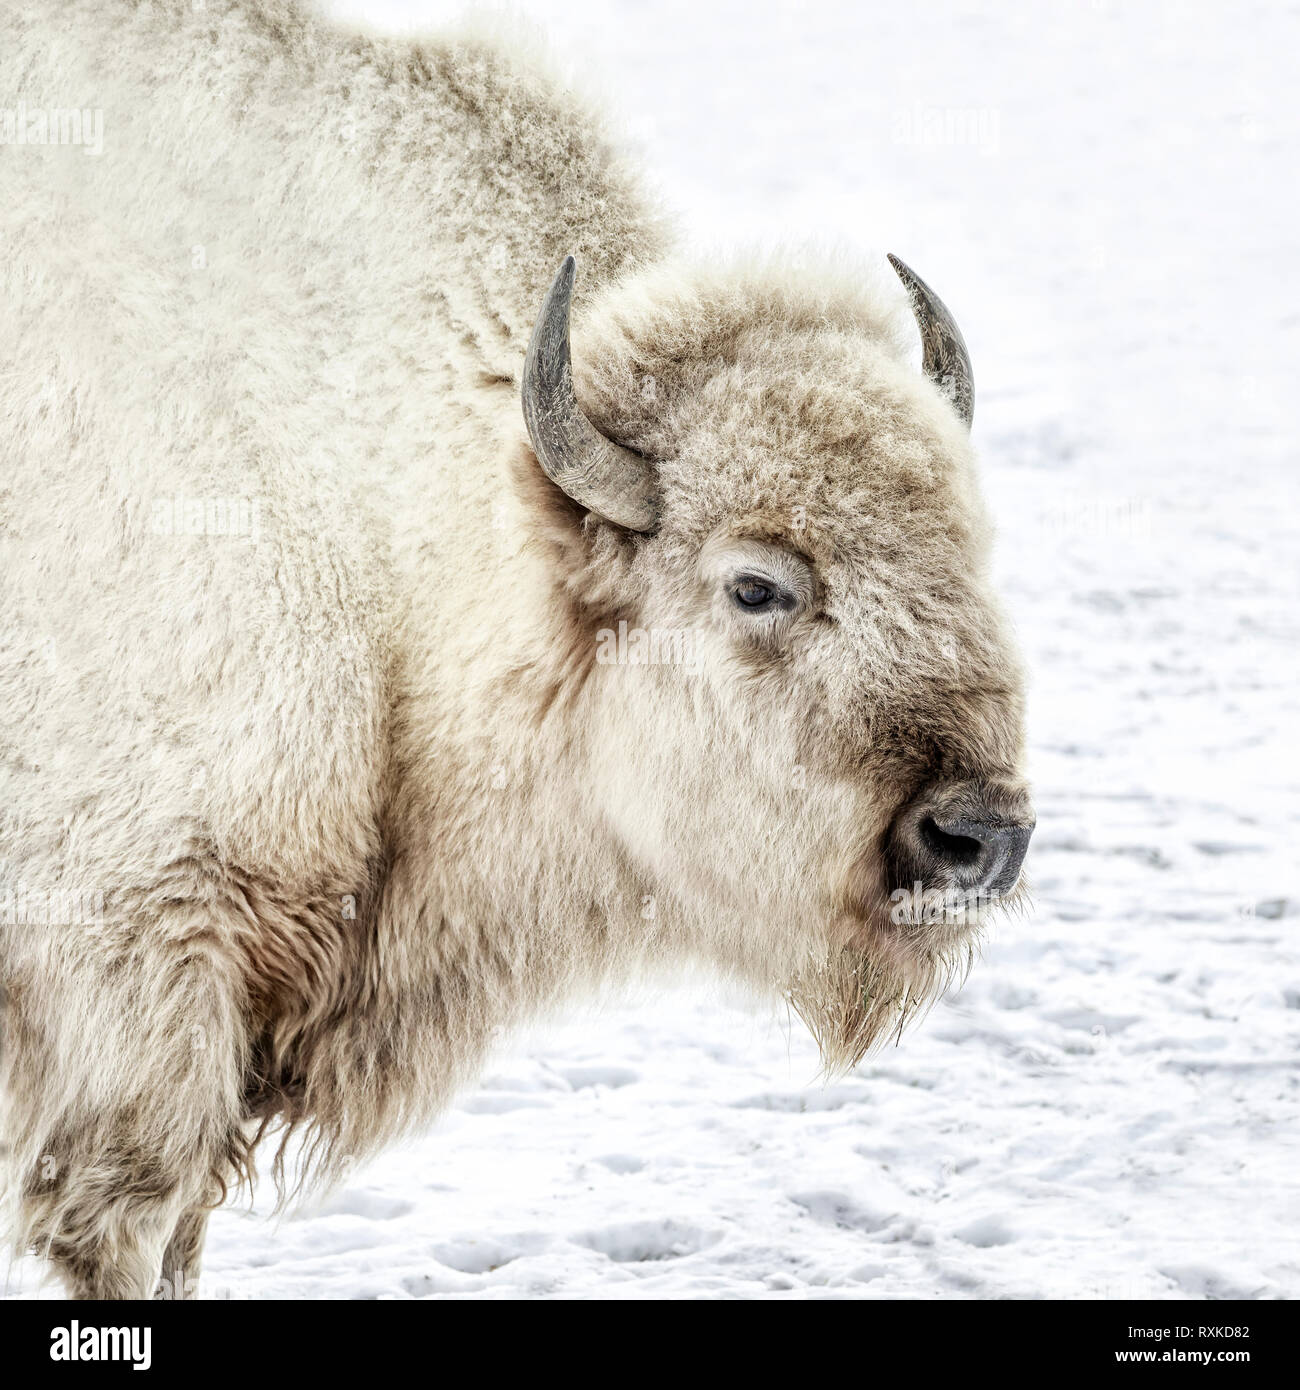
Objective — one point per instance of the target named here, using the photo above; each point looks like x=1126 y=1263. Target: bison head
x=804 y=712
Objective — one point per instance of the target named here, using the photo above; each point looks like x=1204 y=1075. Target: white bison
x=349 y=714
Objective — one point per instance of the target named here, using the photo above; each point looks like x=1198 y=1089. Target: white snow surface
x=1106 y=196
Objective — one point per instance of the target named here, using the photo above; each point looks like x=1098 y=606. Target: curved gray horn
x=598 y=474
x=945 y=359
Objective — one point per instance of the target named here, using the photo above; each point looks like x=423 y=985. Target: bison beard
x=859 y=996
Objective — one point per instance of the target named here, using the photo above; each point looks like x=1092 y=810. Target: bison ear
x=596 y=473
x=944 y=357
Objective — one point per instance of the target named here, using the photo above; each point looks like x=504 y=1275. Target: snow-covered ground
x=1106 y=195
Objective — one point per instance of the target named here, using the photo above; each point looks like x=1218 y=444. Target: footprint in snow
x=639 y=1242
x=985 y=1233
x=582 y=1077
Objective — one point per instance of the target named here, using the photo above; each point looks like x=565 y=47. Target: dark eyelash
x=779 y=598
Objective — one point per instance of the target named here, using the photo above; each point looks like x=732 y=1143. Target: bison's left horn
x=598 y=474
x=945 y=359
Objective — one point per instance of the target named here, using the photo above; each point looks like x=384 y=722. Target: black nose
x=967 y=836
x=979 y=855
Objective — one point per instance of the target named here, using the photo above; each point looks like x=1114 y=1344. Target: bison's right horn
x=944 y=358
x=598 y=474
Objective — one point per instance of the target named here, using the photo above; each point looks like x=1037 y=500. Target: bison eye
x=753 y=595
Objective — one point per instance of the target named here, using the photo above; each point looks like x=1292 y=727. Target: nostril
x=963 y=838
x=954 y=849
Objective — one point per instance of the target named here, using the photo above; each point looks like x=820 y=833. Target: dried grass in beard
x=858 y=996
x=852 y=1003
